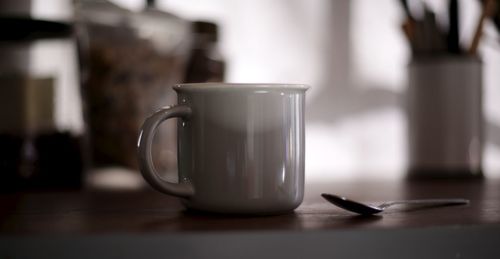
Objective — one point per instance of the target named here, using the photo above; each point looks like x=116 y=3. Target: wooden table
x=89 y=224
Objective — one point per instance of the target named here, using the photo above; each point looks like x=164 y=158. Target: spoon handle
x=426 y=202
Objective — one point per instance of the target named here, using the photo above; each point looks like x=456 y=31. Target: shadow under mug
x=240 y=147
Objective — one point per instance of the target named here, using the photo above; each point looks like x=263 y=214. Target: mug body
x=242 y=149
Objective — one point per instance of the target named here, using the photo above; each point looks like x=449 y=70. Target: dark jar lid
x=27 y=29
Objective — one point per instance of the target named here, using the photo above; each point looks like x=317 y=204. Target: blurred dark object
x=41 y=133
x=406 y=9
x=453 y=38
x=496 y=15
x=205 y=63
x=42 y=161
x=130 y=61
x=25 y=29
x=426 y=38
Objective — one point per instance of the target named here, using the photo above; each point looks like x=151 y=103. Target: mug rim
x=234 y=86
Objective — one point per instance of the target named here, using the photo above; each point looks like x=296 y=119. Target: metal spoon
x=365 y=209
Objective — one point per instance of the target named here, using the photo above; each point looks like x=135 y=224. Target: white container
x=445 y=119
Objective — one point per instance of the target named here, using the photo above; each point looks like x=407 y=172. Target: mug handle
x=148 y=130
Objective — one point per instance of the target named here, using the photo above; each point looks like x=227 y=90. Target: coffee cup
x=240 y=147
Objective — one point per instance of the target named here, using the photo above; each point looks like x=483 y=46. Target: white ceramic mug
x=240 y=147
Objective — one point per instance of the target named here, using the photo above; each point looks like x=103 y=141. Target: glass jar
x=130 y=61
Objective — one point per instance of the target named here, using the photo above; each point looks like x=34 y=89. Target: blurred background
x=106 y=65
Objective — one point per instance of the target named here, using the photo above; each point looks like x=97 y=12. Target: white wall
x=354 y=56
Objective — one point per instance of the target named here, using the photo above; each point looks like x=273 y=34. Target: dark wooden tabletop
x=95 y=212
